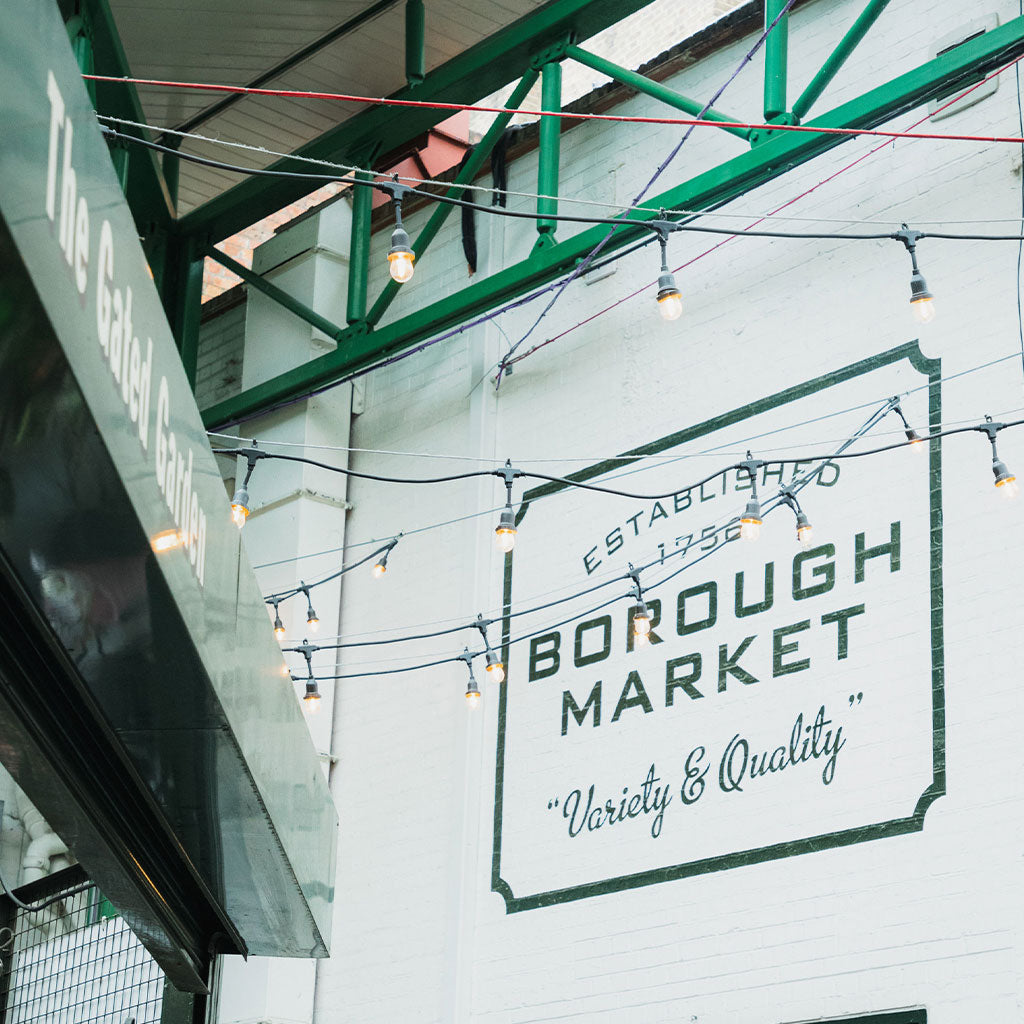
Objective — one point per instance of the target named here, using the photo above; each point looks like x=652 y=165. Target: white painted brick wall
x=931 y=918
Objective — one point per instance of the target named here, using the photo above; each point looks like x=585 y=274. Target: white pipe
x=36 y=862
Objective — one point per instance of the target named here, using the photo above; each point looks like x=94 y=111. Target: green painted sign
x=787 y=698
x=118 y=532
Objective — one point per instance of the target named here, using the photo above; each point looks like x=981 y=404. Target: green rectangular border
x=931 y=368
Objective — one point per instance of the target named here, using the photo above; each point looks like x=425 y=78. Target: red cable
x=761 y=220
x=681 y=121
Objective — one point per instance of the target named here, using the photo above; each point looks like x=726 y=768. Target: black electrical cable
x=770 y=506
x=651 y=224
x=295 y=591
x=34 y=907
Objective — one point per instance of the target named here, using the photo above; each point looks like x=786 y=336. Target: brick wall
x=930 y=917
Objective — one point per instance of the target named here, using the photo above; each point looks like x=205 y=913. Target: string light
x=312 y=619
x=472 y=690
x=750 y=521
x=380 y=566
x=279 y=631
x=400 y=255
x=921 y=300
x=670 y=302
x=1005 y=481
x=505 y=531
x=916 y=440
x=495 y=667
x=641 y=613
x=240 y=502
x=804 y=530
x=311 y=698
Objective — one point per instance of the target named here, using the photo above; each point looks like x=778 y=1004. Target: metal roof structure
x=319 y=45
x=449 y=51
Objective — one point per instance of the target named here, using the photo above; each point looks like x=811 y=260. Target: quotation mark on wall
x=553 y=803
x=858 y=697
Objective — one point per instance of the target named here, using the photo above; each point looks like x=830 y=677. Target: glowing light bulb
x=400 y=264
x=641 y=624
x=312 y=621
x=239 y=514
x=496 y=671
x=641 y=639
x=472 y=695
x=311 y=703
x=923 y=309
x=279 y=629
x=670 y=305
x=750 y=529
x=505 y=539
x=1005 y=480
x=1008 y=486
x=378 y=570
x=166 y=540
x=805 y=535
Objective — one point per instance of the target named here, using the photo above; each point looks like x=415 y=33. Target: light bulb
x=285 y=670
x=472 y=695
x=641 y=625
x=750 y=529
x=916 y=440
x=311 y=698
x=379 y=569
x=279 y=629
x=240 y=507
x=750 y=523
x=505 y=539
x=923 y=309
x=400 y=264
x=670 y=305
x=1005 y=480
x=1008 y=487
x=166 y=540
x=496 y=671
x=312 y=621
x=641 y=639
x=804 y=531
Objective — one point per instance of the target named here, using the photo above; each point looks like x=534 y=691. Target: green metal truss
x=775 y=153
x=480 y=70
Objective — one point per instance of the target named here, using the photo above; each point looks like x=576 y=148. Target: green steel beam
x=190 y=302
x=838 y=56
x=776 y=59
x=549 y=148
x=475 y=73
x=359 y=251
x=780 y=153
x=653 y=89
x=146 y=191
x=415 y=37
x=178 y=271
x=470 y=169
x=289 y=302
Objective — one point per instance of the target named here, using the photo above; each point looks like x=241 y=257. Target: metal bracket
x=552 y=53
x=303 y=492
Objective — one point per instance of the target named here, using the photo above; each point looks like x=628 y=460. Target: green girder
x=478 y=71
x=778 y=153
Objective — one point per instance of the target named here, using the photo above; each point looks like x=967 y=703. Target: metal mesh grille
x=77 y=963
